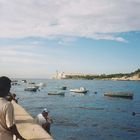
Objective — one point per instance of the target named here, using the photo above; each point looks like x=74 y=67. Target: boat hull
x=34 y=89
x=55 y=93
x=78 y=91
x=120 y=95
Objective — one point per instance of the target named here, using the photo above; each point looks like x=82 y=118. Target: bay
x=86 y=116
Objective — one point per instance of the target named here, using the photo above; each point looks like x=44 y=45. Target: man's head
x=5 y=85
x=45 y=112
x=14 y=95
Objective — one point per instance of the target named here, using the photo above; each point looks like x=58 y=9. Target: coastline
x=133 y=76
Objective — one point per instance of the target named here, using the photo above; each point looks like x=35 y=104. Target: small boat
x=120 y=94
x=14 y=83
x=24 y=81
x=40 y=85
x=56 y=93
x=80 y=90
x=31 y=89
x=31 y=83
x=63 y=88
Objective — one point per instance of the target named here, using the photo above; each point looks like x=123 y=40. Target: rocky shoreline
x=125 y=78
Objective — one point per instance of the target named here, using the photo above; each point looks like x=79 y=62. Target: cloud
x=24 y=55
x=78 y=18
x=19 y=57
x=30 y=61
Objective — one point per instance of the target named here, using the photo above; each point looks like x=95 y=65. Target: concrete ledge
x=27 y=126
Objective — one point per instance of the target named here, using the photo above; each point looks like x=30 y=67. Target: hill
x=119 y=76
x=131 y=76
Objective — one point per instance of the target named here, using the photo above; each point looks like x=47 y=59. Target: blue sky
x=85 y=36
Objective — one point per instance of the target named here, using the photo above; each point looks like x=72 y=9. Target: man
x=13 y=97
x=7 y=120
x=44 y=120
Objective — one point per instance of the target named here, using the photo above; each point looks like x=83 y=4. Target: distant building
x=59 y=75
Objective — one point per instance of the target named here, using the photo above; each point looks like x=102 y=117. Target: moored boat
x=56 y=93
x=40 y=85
x=31 y=89
x=120 y=94
x=79 y=90
x=63 y=88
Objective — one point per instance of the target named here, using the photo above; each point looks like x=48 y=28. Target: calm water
x=87 y=117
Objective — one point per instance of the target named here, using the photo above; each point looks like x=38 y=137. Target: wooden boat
x=56 y=93
x=120 y=94
x=79 y=90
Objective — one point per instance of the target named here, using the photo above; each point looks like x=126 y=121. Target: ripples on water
x=90 y=116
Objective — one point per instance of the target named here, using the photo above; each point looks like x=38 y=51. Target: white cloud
x=80 y=18
x=28 y=61
x=13 y=55
x=26 y=55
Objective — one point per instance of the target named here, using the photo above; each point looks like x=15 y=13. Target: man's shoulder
x=6 y=105
x=40 y=119
x=4 y=101
x=9 y=105
x=39 y=115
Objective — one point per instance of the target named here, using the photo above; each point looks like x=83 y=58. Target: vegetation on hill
x=137 y=72
x=104 y=76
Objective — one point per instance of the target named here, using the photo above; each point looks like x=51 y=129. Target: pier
x=27 y=125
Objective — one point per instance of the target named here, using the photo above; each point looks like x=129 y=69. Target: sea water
x=90 y=116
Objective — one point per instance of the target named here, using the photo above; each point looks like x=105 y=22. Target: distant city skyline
x=38 y=38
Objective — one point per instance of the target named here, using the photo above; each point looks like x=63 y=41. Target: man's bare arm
x=13 y=130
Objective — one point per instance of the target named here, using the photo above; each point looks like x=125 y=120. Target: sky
x=40 y=37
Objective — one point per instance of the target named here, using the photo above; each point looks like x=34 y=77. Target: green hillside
x=104 y=76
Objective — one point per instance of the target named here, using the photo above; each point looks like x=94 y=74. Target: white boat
x=40 y=85
x=79 y=90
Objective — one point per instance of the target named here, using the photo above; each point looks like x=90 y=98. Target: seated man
x=44 y=120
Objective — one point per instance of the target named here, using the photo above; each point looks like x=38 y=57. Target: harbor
x=72 y=68
x=85 y=116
